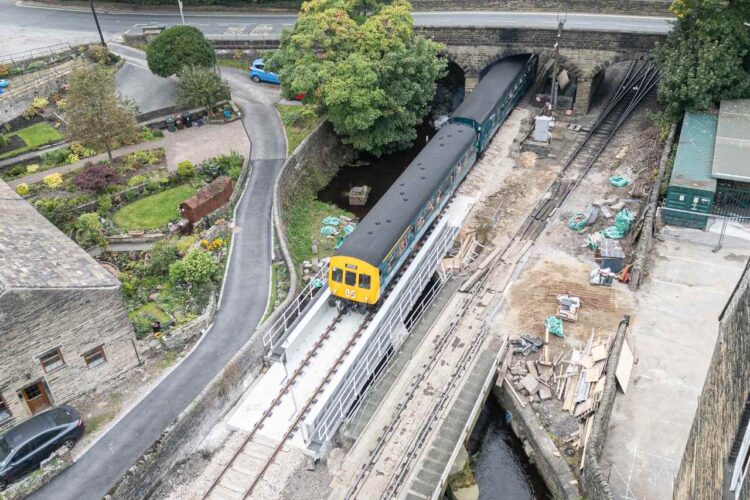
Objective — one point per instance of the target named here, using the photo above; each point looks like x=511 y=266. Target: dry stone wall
x=643 y=7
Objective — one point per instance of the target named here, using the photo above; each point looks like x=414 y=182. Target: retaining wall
x=594 y=479
x=653 y=7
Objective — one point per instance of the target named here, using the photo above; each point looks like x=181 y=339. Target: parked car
x=29 y=443
x=259 y=74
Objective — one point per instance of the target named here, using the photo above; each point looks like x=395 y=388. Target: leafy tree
x=177 y=47
x=96 y=116
x=90 y=231
x=97 y=178
x=364 y=67
x=705 y=57
x=201 y=86
x=196 y=268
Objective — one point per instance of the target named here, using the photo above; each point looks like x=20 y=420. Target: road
x=26 y=27
x=241 y=309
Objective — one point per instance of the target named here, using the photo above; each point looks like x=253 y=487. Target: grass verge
x=298 y=121
x=34 y=136
x=153 y=211
x=303 y=222
x=234 y=63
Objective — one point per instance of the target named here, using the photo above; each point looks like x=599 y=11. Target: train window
x=351 y=278
x=364 y=281
x=337 y=274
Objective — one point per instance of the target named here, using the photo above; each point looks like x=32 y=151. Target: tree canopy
x=96 y=116
x=706 y=56
x=177 y=47
x=201 y=86
x=360 y=62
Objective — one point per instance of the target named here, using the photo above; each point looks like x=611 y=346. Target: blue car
x=259 y=74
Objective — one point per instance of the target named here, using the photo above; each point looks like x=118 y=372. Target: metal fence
x=31 y=66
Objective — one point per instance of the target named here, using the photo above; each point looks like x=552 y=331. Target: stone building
x=717 y=453
x=64 y=328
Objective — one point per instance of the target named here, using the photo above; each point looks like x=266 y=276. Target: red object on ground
x=299 y=96
x=207 y=199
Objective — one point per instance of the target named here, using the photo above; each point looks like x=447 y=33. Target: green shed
x=691 y=187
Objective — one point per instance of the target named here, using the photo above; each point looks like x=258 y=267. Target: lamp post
x=182 y=16
x=96 y=20
x=560 y=25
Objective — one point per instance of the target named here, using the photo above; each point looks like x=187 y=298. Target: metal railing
x=33 y=66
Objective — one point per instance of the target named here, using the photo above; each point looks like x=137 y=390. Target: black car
x=29 y=443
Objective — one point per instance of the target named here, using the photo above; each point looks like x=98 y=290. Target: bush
x=136 y=179
x=185 y=169
x=162 y=255
x=176 y=47
x=39 y=103
x=104 y=203
x=90 y=231
x=55 y=157
x=142 y=325
x=80 y=150
x=30 y=169
x=97 y=178
x=22 y=189
x=98 y=53
x=149 y=134
x=53 y=181
x=3 y=141
x=72 y=158
x=17 y=170
x=4 y=70
x=196 y=268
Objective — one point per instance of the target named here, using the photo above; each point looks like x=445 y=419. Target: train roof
x=491 y=88
x=388 y=219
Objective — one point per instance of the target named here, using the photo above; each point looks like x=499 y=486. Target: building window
x=4 y=411
x=95 y=357
x=739 y=457
x=52 y=360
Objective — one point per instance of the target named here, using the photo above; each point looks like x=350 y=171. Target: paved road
x=26 y=27
x=241 y=309
x=135 y=81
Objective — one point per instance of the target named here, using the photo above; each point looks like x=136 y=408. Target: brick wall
x=653 y=7
x=703 y=472
x=76 y=321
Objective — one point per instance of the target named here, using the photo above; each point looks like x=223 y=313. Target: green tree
x=177 y=47
x=90 y=231
x=196 y=268
x=360 y=62
x=162 y=255
x=96 y=116
x=705 y=57
x=201 y=86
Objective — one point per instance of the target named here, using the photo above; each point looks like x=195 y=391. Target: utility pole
x=96 y=20
x=560 y=24
x=182 y=16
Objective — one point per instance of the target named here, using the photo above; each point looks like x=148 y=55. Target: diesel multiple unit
x=367 y=261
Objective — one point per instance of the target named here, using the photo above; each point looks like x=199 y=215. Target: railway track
x=247 y=467
x=638 y=81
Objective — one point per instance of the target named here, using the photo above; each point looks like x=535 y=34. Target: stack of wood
x=468 y=251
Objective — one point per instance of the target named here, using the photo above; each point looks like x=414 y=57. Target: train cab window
x=364 y=281
x=351 y=278
x=337 y=274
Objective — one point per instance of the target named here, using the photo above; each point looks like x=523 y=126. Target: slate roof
x=732 y=152
x=695 y=152
x=35 y=254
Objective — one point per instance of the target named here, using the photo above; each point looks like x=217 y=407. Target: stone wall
x=653 y=7
x=704 y=471
x=34 y=321
x=594 y=478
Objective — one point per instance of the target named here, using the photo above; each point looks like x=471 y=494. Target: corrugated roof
x=35 y=254
x=695 y=152
x=732 y=153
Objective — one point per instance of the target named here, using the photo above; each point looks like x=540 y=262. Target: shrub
x=196 y=268
x=90 y=231
x=136 y=179
x=29 y=113
x=97 y=178
x=185 y=169
x=176 y=47
x=163 y=254
x=104 y=202
x=53 y=181
x=80 y=150
x=3 y=141
x=62 y=104
x=55 y=157
x=72 y=158
x=98 y=53
x=30 y=169
x=149 y=134
x=17 y=170
x=141 y=324
x=22 y=189
x=39 y=103
x=4 y=70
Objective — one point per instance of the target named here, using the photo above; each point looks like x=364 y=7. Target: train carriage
x=369 y=259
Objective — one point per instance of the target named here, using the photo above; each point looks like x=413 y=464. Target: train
x=368 y=260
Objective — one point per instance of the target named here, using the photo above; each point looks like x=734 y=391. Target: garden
x=299 y=121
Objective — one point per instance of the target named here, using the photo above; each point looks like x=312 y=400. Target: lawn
x=298 y=121
x=303 y=222
x=34 y=136
x=154 y=211
x=154 y=311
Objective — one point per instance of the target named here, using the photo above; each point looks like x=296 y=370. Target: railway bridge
x=585 y=54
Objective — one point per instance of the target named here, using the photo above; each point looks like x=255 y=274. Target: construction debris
x=526 y=344
x=555 y=326
x=568 y=308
